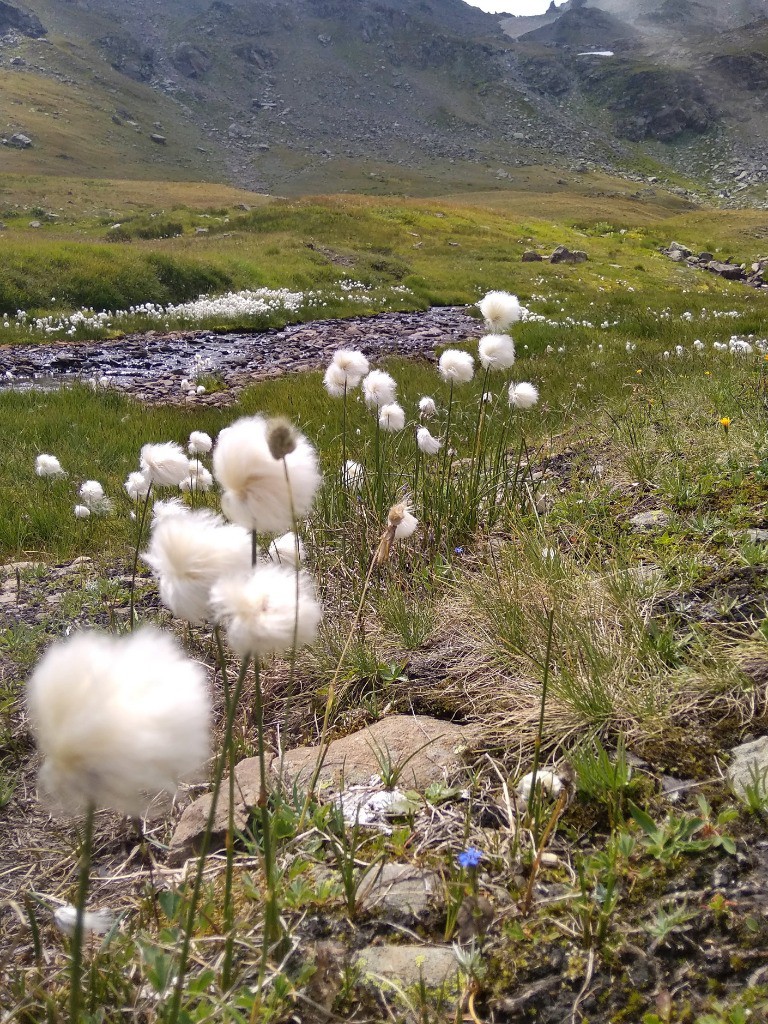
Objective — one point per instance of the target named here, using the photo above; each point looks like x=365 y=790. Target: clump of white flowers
x=496 y=351
x=199 y=443
x=379 y=388
x=523 y=395
x=456 y=366
x=391 y=417
x=500 y=310
x=48 y=465
x=427 y=443
x=164 y=464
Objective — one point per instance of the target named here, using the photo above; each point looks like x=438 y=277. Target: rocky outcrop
x=753 y=275
x=191 y=61
x=14 y=19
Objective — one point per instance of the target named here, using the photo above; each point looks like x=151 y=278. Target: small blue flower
x=458 y=551
x=469 y=858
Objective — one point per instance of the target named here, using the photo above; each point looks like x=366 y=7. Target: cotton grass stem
x=542 y=708
x=272 y=925
x=84 y=873
x=194 y=901
x=134 y=569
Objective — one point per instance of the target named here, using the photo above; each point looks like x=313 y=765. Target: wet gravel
x=152 y=366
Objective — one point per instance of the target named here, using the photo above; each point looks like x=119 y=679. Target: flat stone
x=189 y=832
x=401 y=889
x=749 y=765
x=410 y=964
x=756 y=536
x=429 y=749
x=650 y=520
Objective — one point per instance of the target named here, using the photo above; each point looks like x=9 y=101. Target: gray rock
x=35 y=224
x=429 y=749
x=749 y=766
x=188 y=834
x=730 y=271
x=410 y=964
x=20 y=141
x=401 y=889
x=678 y=247
x=159 y=139
x=562 y=254
x=529 y=256
x=655 y=519
x=756 y=536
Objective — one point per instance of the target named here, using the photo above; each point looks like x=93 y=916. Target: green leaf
x=644 y=820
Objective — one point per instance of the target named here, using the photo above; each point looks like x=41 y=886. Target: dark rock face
x=15 y=19
x=191 y=61
x=586 y=27
x=661 y=104
x=748 y=70
x=129 y=58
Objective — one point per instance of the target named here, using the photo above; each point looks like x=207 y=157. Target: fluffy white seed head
x=256 y=493
x=92 y=493
x=166 y=509
x=427 y=407
x=287 y=550
x=353 y=473
x=95 y=922
x=352 y=364
x=456 y=366
x=391 y=417
x=200 y=443
x=550 y=784
x=335 y=381
x=402 y=519
x=81 y=511
x=260 y=611
x=188 y=554
x=48 y=465
x=500 y=310
x=165 y=464
x=199 y=479
x=379 y=388
x=117 y=719
x=523 y=395
x=497 y=351
x=427 y=443
x=136 y=486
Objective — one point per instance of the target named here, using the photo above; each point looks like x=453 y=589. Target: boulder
x=159 y=139
x=529 y=256
x=20 y=141
x=749 y=767
x=730 y=271
x=564 y=255
x=409 y=964
x=429 y=750
x=400 y=889
x=188 y=834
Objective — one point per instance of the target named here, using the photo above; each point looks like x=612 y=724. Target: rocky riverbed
x=152 y=366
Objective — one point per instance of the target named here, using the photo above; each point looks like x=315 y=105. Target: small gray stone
x=655 y=519
x=756 y=536
x=401 y=889
x=529 y=256
x=410 y=964
x=159 y=139
x=677 y=247
x=749 y=765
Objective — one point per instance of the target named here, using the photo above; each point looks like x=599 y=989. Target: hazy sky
x=514 y=6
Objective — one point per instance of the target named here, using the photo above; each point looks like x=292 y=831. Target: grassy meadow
x=586 y=586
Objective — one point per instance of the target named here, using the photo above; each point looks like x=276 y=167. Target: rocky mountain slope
x=263 y=93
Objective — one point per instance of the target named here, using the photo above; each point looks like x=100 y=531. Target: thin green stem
x=134 y=570
x=84 y=873
x=544 y=687
x=272 y=926
x=221 y=762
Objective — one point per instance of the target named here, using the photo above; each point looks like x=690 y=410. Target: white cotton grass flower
x=260 y=611
x=353 y=474
x=500 y=310
x=199 y=443
x=81 y=511
x=95 y=922
x=547 y=782
x=523 y=395
x=335 y=381
x=48 y=465
x=117 y=719
x=162 y=510
x=287 y=550
x=427 y=443
x=456 y=366
x=188 y=554
x=496 y=351
x=352 y=364
x=403 y=520
x=199 y=479
x=379 y=388
x=92 y=494
x=391 y=417
x=136 y=486
x=256 y=494
x=427 y=408
x=164 y=464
